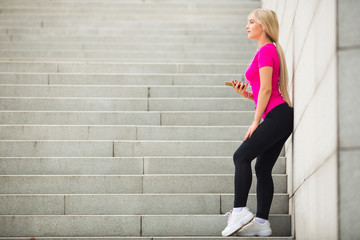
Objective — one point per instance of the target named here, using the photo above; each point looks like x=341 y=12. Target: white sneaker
x=254 y=228
x=236 y=221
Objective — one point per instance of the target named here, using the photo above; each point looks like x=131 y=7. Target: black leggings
x=265 y=143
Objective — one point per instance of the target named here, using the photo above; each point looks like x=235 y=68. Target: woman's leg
x=262 y=139
x=243 y=175
x=276 y=126
x=266 y=161
x=265 y=186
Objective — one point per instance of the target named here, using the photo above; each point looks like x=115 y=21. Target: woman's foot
x=255 y=228
x=236 y=221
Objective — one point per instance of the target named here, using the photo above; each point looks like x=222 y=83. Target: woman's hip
x=282 y=112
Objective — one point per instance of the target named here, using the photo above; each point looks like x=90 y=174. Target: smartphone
x=228 y=83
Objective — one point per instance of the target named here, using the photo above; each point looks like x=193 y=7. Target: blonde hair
x=268 y=19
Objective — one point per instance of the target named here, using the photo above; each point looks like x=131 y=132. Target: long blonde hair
x=268 y=19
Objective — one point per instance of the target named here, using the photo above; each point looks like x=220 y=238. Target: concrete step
x=199 y=165
x=218 y=133
x=203 y=118
x=212 y=183
x=103 y=43
x=131 y=225
x=88 y=118
x=215 y=118
x=169 y=46
x=202 y=91
x=131 y=4
x=100 y=67
x=24 y=78
x=120 y=166
x=74 y=91
x=180 y=22
x=36 y=148
x=161 y=16
x=129 y=60
x=129 y=204
x=107 y=44
x=138 y=9
x=55 y=43
x=199 y=17
x=116 y=91
x=105 y=6
x=127 y=184
x=75 y=166
x=108 y=132
x=136 y=38
x=205 y=225
x=102 y=148
x=165 y=2
x=174 y=148
x=116 y=32
x=200 y=104
x=61 y=132
x=72 y=56
x=125 y=104
x=75 y=104
x=117 y=79
x=144 y=15
x=128 y=24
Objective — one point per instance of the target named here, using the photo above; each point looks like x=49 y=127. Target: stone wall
x=348 y=116
x=308 y=34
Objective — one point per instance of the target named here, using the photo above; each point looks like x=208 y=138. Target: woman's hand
x=240 y=88
x=251 y=130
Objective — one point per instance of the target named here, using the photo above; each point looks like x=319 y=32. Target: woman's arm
x=263 y=98
x=249 y=95
x=264 y=92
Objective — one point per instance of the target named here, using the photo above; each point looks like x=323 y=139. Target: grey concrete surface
x=115 y=121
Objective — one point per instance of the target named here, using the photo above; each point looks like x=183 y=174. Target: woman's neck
x=263 y=40
x=261 y=44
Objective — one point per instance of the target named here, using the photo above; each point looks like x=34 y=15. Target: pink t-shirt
x=265 y=56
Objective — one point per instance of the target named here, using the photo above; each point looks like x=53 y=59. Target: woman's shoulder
x=267 y=48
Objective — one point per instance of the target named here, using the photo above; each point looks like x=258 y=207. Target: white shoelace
x=228 y=214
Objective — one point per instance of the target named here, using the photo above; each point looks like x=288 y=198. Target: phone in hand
x=228 y=83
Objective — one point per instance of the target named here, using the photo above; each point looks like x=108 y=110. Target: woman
x=268 y=77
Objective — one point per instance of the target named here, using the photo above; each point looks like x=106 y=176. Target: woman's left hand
x=251 y=130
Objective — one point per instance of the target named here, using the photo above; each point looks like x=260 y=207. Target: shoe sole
x=238 y=229
x=262 y=233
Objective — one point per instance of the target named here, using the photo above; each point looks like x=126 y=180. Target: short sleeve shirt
x=266 y=56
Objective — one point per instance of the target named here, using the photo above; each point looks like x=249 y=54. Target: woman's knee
x=240 y=157
x=258 y=169
x=262 y=171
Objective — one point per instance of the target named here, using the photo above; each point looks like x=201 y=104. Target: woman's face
x=254 y=28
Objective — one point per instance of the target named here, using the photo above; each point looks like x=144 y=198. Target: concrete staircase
x=115 y=121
